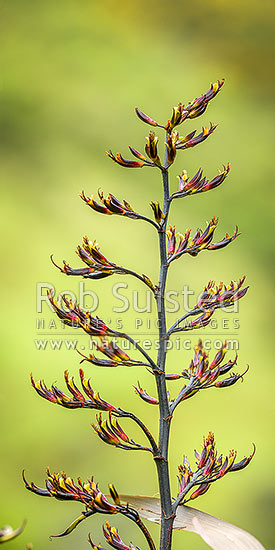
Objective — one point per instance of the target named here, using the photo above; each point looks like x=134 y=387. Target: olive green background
x=72 y=73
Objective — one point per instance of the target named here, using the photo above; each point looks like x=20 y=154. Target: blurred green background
x=72 y=73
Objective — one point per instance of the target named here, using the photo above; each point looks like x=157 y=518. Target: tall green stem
x=167 y=515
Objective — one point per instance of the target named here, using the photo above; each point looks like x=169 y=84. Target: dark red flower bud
x=112 y=537
x=219 y=357
x=228 y=366
x=221 y=295
x=231 y=380
x=198 y=184
x=187 y=142
x=145 y=118
x=145 y=396
x=110 y=205
x=227 y=463
x=62 y=487
x=201 y=240
x=178 y=116
x=114 y=494
x=215 y=182
x=117 y=357
x=105 y=432
x=173 y=376
x=185 y=474
x=76 y=317
x=171 y=241
x=55 y=395
x=243 y=463
x=124 y=162
x=151 y=149
x=138 y=155
x=94 y=546
x=110 y=432
x=159 y=215
x=201 y=490
x=203 y=320
x=171 y=143
x=197 y=106
x=210 y=468
x=93 y=204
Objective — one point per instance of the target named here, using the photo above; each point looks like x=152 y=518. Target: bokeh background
x=72 y=73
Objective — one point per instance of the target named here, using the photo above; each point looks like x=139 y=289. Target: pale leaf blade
x=218 y=534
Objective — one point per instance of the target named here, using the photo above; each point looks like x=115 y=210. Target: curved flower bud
x=139 y=155
x=185 y=474
x=62 y=487
x=144 y=395
x=187 y=138
x=216 y=296
x=112 y=537
x=202 y=374
x=86 y=272
x=98 y=361
x=201 y=321
x=151 y=149
x=171 y=142
x=227 y=463
x=91 y=255
x=143 y=161
x=191 y=110
x=196 y=107
x=111 y=350
x=226 y=382
x=159 y=215
x=228 y=366
x=179 y=114
x=209 y=468
x=212 y=298
x=243 y=463
x=94 y=546
x=110 y=205
x=201 y=490
x=201 y=240
x=186 y=185
x=145 y=118
x=171 y=234
x=198 y=184
x=215 y=182
x=90 y=201
x=173 y=376
x=98 y=266
x=114 y=494
x=112 y=433
x=116 y=356
x=225 y=241
x=191 y=140
x=77 y=317
x=54 y=395
x=124 y=162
